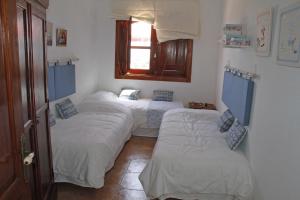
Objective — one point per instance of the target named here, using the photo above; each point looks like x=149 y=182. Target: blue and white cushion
x=235 y=135
x=225 y=121
x=130 y=94
x=51 y=119
x=162 y=95
x=66 y=109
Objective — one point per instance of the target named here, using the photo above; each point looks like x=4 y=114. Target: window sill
x=154 y=78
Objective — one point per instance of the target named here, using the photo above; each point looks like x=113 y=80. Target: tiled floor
x=121 y=183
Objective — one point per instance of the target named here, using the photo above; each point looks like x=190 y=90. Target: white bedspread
x=191 y=160
x=147 y=113
x=86 y=145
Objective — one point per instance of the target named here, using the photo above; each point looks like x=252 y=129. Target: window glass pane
x=141 y=34
x=140 y=59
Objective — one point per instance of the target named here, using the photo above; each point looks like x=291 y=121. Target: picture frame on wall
x=61 y=37
x=264 y=22
x=289 y=36
x=49 y=33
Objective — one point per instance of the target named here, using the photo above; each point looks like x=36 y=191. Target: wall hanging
x=289 y=36
x=264 y=22
x=49 y=33
x=237 y=94
x=61 y=81
x=61 y=37
x=235 y=36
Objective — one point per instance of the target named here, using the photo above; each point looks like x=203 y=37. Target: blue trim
x=64 y=80
x=51 y=84
x=237 y=95
x=61 y=81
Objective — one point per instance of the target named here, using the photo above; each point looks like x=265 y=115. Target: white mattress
x=86 y=145
x=191 y=160
x=140 y=109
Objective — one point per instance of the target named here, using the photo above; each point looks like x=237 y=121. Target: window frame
x=155 y=49
x=140 y=71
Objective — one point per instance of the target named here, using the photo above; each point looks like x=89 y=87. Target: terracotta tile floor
x=121 y=182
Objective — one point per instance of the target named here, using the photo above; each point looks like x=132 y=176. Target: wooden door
x=26 y=88
x=43 y=142
x=12 y=184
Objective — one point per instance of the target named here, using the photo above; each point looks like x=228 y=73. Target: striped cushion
x=235 y=135
x=162 y=95
x=66 y=109
x=225 y=121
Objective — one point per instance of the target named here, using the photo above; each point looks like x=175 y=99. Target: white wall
x=205 y=59
x=79 y=18
x=91 y=37
x=273 y=141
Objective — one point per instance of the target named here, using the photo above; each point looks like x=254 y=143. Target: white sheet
x=108 y=102
x=104 y=107
x=86 y=145
x=192 y=160
x=101 y=96
x=140 y=108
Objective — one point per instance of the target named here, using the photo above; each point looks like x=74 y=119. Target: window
x=138 y=54
x=140 y=46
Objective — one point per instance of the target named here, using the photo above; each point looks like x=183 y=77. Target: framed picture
x=49 y=33
x=264 y=22
x=61 y=37
x=289 y=36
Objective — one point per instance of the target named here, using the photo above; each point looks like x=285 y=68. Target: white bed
x=86 y=145
x=191 y=160
x=147 y=114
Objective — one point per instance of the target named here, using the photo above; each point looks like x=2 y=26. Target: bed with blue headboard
x=61 y=81
x=238 y=95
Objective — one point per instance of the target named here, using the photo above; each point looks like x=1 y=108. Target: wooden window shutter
x=169 y=61
x=174 y=59
x=122 y=50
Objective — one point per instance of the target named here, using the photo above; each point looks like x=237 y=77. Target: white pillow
x=129 y=94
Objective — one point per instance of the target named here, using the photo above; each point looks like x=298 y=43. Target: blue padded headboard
x=61 y=81
x=51 y=83
x=237 y=95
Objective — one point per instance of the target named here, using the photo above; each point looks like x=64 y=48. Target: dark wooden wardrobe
x=24 y=103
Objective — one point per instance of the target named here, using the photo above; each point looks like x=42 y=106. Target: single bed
x=191 y=160
x=147 y=114
x=86 y=145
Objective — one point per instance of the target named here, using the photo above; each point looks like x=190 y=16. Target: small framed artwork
x=264 y=22
x=61 y=37
x=49 y=33
x=289 y=36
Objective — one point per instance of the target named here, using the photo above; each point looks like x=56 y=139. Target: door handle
x=28 y=160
